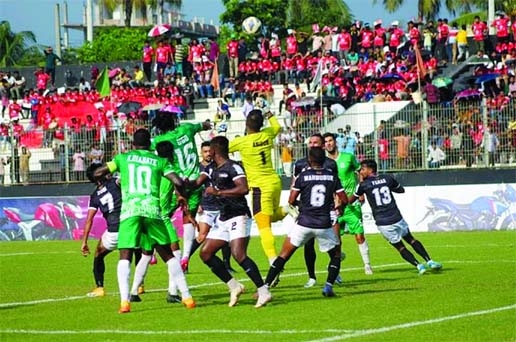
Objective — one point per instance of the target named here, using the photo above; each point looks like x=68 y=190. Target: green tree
x=272 y=13
x=113 y=44
x=427 y=9
x=13 y=46
x=302 y=13
x=508 y=6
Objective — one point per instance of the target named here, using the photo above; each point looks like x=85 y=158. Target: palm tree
x=301 y=13
x=13 y=45
x=429 y=9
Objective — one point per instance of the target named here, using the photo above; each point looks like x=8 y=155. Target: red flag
x=215 y=78
x=421 y=69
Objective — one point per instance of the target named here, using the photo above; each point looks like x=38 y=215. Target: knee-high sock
x=249 y=266
x=217 y=267
x=310 y=257
x=420 y=249
x=274 y=270
x=195 y=246
x=333 y=270
x=98 y=270
x=364 y=252
x=139 y=272
x=408 y=256
x=172 y=286
x=123 y=273
x=188 y=237
x=226 y=255
x=176 y=275
x=267 y=239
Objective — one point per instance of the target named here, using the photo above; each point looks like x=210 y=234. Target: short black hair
x=255 y=120
x=165 y=149
x=220 y=144
x=90 y=172
x=318 y=135
x=142 y=138
x=205 y=144
x=328 y=134
x=165 y=121
x=370 y=163
x=316 y=156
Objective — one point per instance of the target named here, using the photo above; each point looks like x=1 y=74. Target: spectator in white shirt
x=435 y=156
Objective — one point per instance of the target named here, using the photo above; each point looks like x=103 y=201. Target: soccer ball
x=251 y=25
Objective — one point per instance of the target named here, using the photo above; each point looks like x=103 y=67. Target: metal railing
x=470 y=134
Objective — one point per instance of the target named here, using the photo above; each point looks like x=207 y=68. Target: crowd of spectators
x=357 y=63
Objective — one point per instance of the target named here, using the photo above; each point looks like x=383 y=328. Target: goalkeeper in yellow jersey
x=265 y=184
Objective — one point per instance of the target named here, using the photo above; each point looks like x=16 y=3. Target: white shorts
x=109 y=240
x=209 y=217
x=394 y=232
x=326 y=237
x=229 y=230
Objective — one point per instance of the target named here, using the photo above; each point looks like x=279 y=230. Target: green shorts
x=142 y=232
x=170 y=229
x=351 y=220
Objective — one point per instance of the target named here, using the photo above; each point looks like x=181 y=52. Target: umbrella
x=158 y=30
x=172 y=109
x=304 y=101
x=391 y=78
x=467 y=94
x=486 y=78
x=153 y=106
x=128 y=107
x=441 y=82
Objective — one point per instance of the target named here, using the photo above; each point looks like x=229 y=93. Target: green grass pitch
x=43 y=287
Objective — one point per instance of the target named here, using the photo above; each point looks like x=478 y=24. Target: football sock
x=274 y=270
x=263 y=222
x=232 y=284
x=310 y=257
x=188 y=238
x=249 y=266
x=139 y=272
x=177 y=277
x=137 y=256
x=364 y=252
x=226 y=255
x=217 y=267
x=409 y=257
x=418 y=247
x=333 y=270
x=123 y=272
x=172 y=286
x=98 y=270
x=195 y=246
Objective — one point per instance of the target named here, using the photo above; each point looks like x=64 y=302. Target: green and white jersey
x=186 y=158
x=347 y=166
x=141 y=173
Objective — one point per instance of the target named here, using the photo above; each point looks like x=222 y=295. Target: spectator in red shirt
x=344 y=44
x=479 y=33
x=148 y=54
x=42 y=79
x=232 y=48
x=443 y=31
x=501 y=23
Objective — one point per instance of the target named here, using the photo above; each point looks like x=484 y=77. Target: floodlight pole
x=491 y=16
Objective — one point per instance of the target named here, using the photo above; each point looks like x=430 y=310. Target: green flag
x=102 y=84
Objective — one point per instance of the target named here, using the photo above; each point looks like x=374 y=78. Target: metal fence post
x=424 y=136
x=66 y=153
x=485 y=153
x=376 y=137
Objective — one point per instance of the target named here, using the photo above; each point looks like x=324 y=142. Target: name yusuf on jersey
x=260 y=143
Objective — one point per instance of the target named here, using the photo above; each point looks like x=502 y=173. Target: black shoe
x=135 y=298
x=173 y=298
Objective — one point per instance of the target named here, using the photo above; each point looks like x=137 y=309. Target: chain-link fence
x=400 y=137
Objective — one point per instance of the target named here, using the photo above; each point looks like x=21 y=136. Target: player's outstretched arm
x=196 y=183
x=85 y=250
x=179 y=184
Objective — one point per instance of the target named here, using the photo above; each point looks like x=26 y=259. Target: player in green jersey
x=186 y=165
x=141 y=223
x=351 y=220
